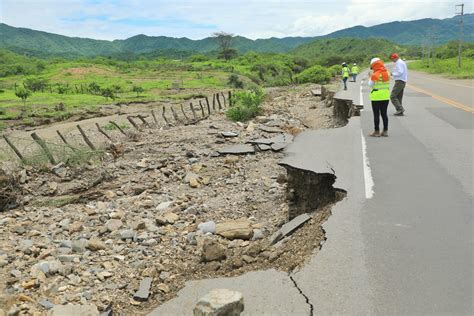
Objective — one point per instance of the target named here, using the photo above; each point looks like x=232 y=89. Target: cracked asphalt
x=407 y=250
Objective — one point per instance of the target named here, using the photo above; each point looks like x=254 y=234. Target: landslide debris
x=125 y=234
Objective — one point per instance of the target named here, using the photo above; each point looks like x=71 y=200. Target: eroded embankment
x=143 y=218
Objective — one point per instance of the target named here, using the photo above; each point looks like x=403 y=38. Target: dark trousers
x=397 y=94
x=345 y=82
x=380 y=109
x=354 y=77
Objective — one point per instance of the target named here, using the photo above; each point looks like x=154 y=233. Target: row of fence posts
x=219 y=102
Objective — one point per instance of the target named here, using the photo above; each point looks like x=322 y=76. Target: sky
x=196 y=19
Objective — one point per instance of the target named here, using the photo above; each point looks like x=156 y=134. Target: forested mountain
x=414 y=32
x=43 y=44
x=330 y=51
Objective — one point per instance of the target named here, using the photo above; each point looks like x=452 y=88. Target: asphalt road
x=401 y=243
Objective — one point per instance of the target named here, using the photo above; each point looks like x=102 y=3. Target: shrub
x=137 y=90
x=63 y=88
x=246 y=104
x=315 y=74
x=35 y=84
x=234 y=81
x=94 y=88
x=107 y=93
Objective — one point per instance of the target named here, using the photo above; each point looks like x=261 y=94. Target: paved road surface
x=401 y=243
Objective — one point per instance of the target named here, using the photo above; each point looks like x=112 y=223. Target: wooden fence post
x=102 y=131
x=142 y=118
x=154 y=117
x=118 y=127
x=218 y=101
x=86 y=139
x=45 y=148
x=175 y=115
x=214 y=101
x=202 y=109
x=223 y=98
x=230 y=99
x=164 y=116
x=208 y=106
x=184 y=113
x=191 y=106
x=133 y=123
x=17 y=152
x=64 y=140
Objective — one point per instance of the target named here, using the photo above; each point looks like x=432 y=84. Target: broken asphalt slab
x=282 y=138
x=290 y=227
x=283 y=299
x=240 y=149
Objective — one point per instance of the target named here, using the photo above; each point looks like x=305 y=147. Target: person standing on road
x=379 y=96
x=345 y=74
x=354 y=72
x=400 y=75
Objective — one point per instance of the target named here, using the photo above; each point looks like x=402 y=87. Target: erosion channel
x=172 y=203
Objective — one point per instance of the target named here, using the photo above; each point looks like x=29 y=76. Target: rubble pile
x=125 y=234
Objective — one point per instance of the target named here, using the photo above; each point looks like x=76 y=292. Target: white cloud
x=113 y=19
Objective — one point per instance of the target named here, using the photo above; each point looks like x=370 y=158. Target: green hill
x=337 y=50
x=414 y=32
x=43 y=44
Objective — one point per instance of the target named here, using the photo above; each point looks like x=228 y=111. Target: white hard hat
x=374 y=60
x=355 y=64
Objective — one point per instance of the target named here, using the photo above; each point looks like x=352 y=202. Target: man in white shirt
x=400 y=75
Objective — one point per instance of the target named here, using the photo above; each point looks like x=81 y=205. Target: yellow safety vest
x=380 y=90
x=355 y=70
x=345 y=72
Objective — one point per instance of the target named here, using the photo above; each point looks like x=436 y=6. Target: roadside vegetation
x=37 y=91
x=444 y=60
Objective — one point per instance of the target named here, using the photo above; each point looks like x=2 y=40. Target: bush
x=137 y=90
x=246 y=104
x=234 y=81
x=108 y=93
x=94 y=88
x=315 y=74
x=35 y=84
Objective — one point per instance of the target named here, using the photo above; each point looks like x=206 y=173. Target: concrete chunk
x=74 y=310
x=270 y=129
x=143 y=290
x=220 y=302
x=290 y=227
x=278 y=146
x=237 y=150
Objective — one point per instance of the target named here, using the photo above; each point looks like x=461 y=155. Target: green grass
x=446 y=67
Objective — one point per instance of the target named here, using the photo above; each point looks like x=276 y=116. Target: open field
x=447 y=67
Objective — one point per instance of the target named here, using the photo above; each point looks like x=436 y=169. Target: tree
x=23 y=94
x=138 y=90
x=224 y=40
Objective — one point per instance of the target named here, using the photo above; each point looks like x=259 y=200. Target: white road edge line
x=368 y=180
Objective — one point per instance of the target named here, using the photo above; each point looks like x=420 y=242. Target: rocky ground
x=165 y=208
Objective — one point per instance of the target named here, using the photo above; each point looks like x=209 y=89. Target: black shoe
x=399 y=113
